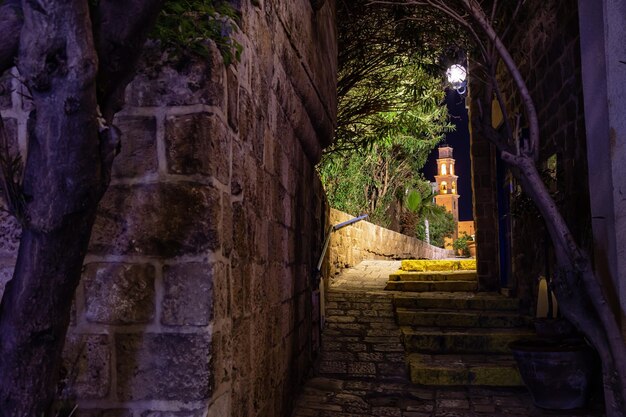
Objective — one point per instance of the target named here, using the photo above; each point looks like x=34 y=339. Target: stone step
x=486 y=301
x=434 y=276
x=455 y=370
x=462 y=340
x=447 y=318
x=431 y=286
x=437 y=264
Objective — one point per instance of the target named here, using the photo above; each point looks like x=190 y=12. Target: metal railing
x=332 y=229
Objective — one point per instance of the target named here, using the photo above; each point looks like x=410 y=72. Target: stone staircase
x=453 y=334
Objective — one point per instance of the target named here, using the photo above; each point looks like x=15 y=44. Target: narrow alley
x=362 y=371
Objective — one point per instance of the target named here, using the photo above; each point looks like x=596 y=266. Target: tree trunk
x=64 y=180
x=35 y=314
x=580 y=293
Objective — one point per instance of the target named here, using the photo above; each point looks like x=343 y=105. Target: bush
x=461 y=244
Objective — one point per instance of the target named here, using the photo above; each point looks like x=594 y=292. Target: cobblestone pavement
x=362 y=370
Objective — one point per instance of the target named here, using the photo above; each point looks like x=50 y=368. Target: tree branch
x=479 y=16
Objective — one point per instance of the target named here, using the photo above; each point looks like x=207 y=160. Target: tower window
x=443 y=169
x=443 y=187
x=451 y=169
x=453 y=187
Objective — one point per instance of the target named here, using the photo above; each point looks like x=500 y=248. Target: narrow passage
x=362 y=369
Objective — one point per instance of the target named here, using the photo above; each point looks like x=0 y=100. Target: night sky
x=459 y=140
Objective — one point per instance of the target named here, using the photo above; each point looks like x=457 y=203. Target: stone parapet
x=363 y=240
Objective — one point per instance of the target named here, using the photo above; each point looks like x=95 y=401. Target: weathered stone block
x=158 y=83
x=198 y=144
x=233 y=99
x=138 y=155
x=119 y=293
x=227 y=225
x=175 y=367
x=241 y=231
x=188 y=294
x=221 y=290
x=87 y=362
x=158 y=220
x=240 y=291
x=237 y=180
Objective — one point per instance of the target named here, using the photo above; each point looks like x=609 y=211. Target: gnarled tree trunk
x=72 y=69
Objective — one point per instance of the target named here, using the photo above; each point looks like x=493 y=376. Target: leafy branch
x=185 y=26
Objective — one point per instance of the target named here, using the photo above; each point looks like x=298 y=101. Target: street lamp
x=457 y=77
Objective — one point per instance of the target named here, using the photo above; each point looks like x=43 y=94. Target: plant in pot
x=558 y=365
x=461 y=245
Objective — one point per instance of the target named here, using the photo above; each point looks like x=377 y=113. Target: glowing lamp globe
x=456 y=75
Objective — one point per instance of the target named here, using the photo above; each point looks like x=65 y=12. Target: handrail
x=349 y=222
x=332 y=229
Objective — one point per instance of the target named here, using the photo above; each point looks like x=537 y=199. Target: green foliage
x=461 y=244
x=402 y=102
x=390 y=113
x=185 y=26
x=413 y=200
x=372 y=180
x=441 y=225
x=389 y=79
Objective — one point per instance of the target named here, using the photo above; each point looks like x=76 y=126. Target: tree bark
x=67 y=170
x=34 y=320
x=63 y=182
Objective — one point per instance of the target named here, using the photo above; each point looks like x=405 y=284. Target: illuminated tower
x=447 y=195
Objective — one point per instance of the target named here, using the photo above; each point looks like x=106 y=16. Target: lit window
x=443 y=187
x=453 y=187
x=451 y=169
x=443 y=169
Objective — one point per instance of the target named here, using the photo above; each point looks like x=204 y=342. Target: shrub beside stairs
x=455 y=335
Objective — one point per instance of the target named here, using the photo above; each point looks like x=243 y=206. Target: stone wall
x=545 y=45
x=484 y=198
x=196 y=297
x=363 y=240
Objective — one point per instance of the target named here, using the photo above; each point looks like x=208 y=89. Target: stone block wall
x=545 y=45
x=196 y=297
x=484 y=199
x=549 y=58
x=363 y=240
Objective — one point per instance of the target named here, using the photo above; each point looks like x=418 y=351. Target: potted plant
x=558 y=365
x=461 y=245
